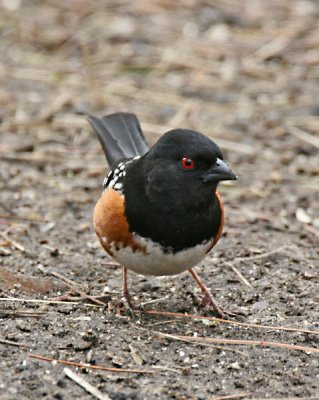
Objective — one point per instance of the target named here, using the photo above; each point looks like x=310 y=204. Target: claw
x=208 y=299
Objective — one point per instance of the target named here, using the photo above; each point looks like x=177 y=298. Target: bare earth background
x=245 y=73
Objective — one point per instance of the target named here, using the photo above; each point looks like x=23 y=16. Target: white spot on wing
x=114 y=177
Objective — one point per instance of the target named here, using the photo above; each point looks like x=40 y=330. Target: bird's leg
x=125 y=292
x=208 y=299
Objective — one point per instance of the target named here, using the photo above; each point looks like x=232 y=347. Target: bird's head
x=182 y=170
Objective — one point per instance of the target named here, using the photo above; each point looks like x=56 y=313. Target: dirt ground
x=245 y=73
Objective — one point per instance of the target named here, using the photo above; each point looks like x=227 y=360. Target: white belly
x=156 y=261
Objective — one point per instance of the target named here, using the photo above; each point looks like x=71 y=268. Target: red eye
x=188 y=163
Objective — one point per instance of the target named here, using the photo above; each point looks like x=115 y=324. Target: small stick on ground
x=163 y=368
x=154 y=301
x=74 y=286
x=185 y=339
x=67 y=298
x=228 y=321
x=312 y=230
x=220 y=341
x=262 y=255
x=89 y=366
x=65 y=280
x=79 y=380
x=50 y=301
x=232 y=396
x=20 y=314
x=239 y=274
x=15 y=244
x=21 y=218
x=303 y=135
x=15 y=344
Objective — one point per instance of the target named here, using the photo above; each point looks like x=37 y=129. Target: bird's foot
x=208 y=301
x=124 y=306
x=128 y=304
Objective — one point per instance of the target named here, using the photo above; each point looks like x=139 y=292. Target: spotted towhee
x=159 y=213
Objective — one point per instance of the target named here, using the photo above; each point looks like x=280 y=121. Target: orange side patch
x=110 y=223
x=221 y=227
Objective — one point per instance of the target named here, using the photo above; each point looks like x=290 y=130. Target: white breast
x=156 y=261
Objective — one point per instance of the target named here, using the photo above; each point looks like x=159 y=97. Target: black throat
x=174 y=231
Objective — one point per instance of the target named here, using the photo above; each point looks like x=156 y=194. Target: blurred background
x=245 y=73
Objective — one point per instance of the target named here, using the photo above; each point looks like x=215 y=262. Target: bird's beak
x=219 y=172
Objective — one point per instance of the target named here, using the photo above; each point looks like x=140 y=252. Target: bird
x=159 y=212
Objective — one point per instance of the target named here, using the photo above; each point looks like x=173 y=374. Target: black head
x=183 y=169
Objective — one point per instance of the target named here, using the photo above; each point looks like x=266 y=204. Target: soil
x=245 y=73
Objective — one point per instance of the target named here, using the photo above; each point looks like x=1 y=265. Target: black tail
x=120 y=135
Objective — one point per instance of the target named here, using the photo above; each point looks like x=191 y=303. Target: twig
x=5 y=313
x=89 y=366
x=4 y=252
x=110 y=263
x=74 y=287
x=85 y=384
x=232 y=396
x=185 y=339
x=64 y=279
x=163 y=368
x=154 y=301
x=226 y=321
x=312 y=230
x=281 y=41
x=15 y=344
x=260 y=343
x=266 y=254
x=47 y=301
x=88 y=297
x=21 y=218
x=55 y=250
x=272 y=48
x=171 y=321
x=303 y=135
x=13 y=242
x=239 y=274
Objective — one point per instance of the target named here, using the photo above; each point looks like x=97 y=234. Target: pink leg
x=208 y=299
x=125 y=292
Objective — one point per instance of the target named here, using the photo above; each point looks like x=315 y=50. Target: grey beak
x=219 y=172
